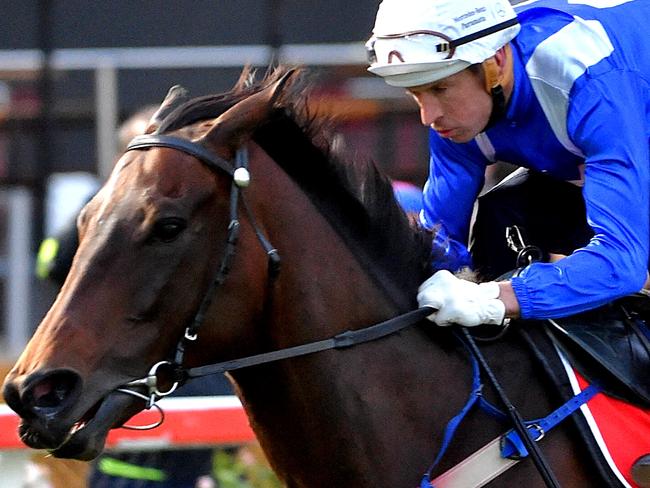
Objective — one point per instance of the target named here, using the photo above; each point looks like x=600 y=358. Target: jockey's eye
x=168 y=229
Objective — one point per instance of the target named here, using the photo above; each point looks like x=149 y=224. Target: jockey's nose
x=430 y=108
x=42 y=395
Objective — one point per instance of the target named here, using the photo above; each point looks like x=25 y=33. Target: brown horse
x=150 y=241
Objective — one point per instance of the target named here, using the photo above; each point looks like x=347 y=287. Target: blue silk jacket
x=579 y=111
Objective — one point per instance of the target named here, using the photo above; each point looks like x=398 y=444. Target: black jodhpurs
x=551 y=212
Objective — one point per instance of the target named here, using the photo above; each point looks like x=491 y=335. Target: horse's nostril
x=51 y=391
x=48 y=394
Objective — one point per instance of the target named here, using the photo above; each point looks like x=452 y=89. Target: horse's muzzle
x=53 y=419
x=43 y=395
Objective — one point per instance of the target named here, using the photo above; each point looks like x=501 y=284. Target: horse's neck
x=321 y=276
x=336 y=407
x=375 y=414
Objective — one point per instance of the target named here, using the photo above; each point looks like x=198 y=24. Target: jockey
x=560 y=88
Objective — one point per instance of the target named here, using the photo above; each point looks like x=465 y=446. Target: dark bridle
x=239 y=173
x=240 y=176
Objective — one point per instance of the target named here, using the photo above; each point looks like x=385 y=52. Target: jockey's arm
x=509 y=299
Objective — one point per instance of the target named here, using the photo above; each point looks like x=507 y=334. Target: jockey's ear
x=175 y=96
x=236 y=124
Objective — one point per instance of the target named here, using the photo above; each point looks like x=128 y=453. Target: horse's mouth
x=85 y=438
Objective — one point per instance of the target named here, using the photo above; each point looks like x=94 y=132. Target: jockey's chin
x=458 y=135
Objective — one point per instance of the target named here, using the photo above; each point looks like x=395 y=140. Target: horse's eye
x=166 y=230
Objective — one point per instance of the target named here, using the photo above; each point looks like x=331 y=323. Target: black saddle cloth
x=610 y=346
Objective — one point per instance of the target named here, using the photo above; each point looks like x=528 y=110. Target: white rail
x=105 y=62
x=334 y=54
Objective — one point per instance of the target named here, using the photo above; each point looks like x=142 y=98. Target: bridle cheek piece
x=240 y=176
x=240 y=179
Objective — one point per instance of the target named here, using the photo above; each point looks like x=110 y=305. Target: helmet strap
x=494 y=83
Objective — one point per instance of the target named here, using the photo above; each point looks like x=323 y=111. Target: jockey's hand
x=461 y=302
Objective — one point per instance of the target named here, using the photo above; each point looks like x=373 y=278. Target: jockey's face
x=457 y=107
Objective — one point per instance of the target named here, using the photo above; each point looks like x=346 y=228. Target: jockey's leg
x=551 y=212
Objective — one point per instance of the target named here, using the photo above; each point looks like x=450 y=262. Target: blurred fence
x=190 y=422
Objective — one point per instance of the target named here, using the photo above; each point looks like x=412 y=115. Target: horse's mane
x=354 y=196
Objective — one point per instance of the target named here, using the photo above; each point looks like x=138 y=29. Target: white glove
x=461 y=302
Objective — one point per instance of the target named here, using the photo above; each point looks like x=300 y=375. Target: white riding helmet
x=416 y=42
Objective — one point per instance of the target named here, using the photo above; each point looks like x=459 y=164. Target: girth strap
x=502 y=453
x=512 y=445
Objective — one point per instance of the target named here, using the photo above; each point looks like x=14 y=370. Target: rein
x=343 y=340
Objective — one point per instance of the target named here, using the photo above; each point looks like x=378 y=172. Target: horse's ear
x=238 y=122
x=175 y=96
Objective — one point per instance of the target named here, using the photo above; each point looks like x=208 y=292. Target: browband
x=188 y=147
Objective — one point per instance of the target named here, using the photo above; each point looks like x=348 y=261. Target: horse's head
x=151 y=243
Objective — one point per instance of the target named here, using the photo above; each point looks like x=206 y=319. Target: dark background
x=61 y=103
x=49 y=124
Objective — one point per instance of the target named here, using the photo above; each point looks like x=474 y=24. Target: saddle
x=610 y=346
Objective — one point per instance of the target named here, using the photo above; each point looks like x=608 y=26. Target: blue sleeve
x=456 y=175
x=608 y=121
